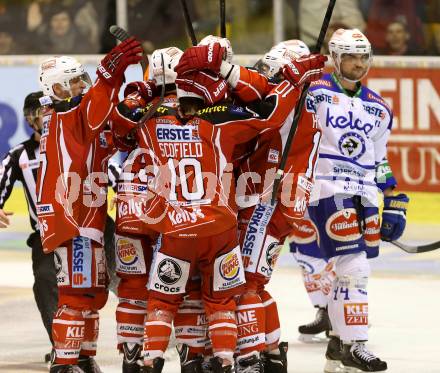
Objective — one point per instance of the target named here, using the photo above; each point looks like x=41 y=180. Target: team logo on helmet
x=58 y=263
x=126 y=251
x=352 y=145
x=230 y=266
x=169 y=271
x=272 y=253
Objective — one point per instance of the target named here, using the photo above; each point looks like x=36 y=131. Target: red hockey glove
x=147 y=90
x=304 y=69
x=113 y=65
x=202 y=57
x=209 y=87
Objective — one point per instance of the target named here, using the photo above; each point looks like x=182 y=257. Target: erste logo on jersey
x=176 y=133
x=343 y=225
x=352 y=145
x=126 y=251
x=179 y=141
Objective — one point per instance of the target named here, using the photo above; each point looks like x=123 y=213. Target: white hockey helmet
x=171 y=57
x=349 y=41
x=295 y=45
x=225 y=43
x=271 y=63
x=61 y=70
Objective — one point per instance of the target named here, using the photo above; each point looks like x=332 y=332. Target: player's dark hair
x=32 y=103
x=190 y=105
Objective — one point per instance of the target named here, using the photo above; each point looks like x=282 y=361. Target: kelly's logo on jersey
x=126 y=251
x=175 y=133
x=351 y=122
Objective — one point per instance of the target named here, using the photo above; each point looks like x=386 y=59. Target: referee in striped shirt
x=21 y=163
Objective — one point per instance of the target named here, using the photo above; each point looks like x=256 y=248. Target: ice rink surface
x=404 y=294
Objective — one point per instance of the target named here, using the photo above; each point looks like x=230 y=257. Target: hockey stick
x=150 y=112
x=122 y=35
x=299 y=106
x=189 y=26
x=416 y=249
x=222 y=19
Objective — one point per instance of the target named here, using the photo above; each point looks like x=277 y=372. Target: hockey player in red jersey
x=192 y=149
x=134 y=239
x=71 y=196
x=263 y=227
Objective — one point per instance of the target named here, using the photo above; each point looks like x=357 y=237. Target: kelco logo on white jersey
x=351 y=122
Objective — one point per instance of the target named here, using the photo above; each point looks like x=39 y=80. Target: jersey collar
x=357 y=93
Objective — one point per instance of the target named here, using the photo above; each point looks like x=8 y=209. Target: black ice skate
x=189 y=362
x=333 y=356
x=131 y=362
x=156 y=368
x=276 y=363
x=65 y=368
x=249 y=364
x=217 y=367
x=206 y=365
x=88 y=364
x=356 y=358
x=308 y=332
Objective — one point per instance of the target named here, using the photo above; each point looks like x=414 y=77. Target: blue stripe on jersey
x=344 y=178
x=345 y=159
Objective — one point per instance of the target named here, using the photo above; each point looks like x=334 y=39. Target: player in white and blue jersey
x=352 y=168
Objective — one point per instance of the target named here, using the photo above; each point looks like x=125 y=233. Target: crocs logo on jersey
x=126 y=251
x=230 y=266
x=169 y=271
x=351 y=122
x=352 y=145
x=343 y=226
x=272 y=254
